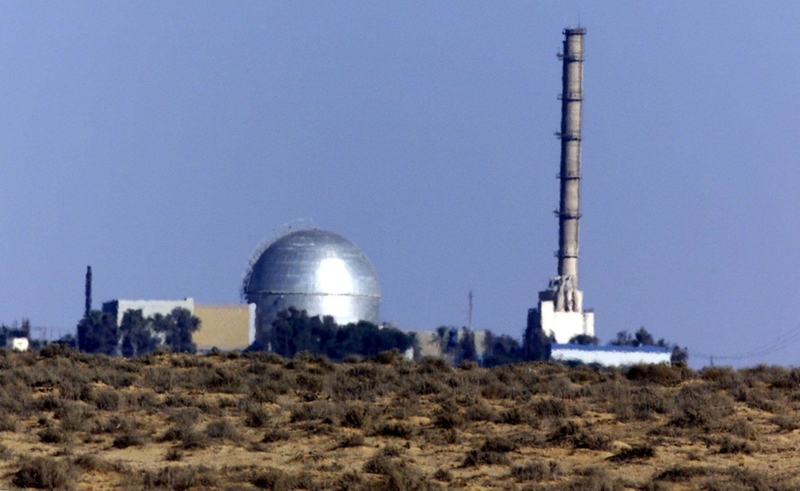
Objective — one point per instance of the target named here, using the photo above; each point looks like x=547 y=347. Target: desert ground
x=70 y=420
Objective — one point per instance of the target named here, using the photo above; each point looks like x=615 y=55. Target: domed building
x=313 y=270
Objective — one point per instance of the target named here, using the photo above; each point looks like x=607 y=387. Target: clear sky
x=160 y=142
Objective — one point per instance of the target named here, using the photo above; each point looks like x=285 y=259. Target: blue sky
x=160 y=142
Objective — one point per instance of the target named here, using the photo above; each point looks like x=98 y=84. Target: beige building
x=226 y=327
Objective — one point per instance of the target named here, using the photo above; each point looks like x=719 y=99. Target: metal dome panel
x=317 y=271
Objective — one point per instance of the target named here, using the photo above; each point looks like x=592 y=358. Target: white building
x=609 y=355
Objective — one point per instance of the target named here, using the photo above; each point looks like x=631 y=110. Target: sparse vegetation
x=72 y=420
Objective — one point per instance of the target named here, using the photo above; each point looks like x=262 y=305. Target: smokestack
x=570 y=175
x=87 y=308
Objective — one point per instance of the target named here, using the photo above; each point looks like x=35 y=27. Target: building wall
x=610 y=355
x=565 y=325
x=226 y=327
x=149 y=308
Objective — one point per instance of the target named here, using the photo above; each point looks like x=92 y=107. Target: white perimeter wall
x=608 y=358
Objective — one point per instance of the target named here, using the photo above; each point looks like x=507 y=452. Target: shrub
x=256 y=416
x=700 y=406
x=275 y=435
x=107 y=400
x=180 y=478
x=659 y=374
x=476 y=458
x=733 y=445
x=784 y=423
x=354 y=440
x=275 y=480
x=52 y=435
x=636 y=452
x=44 y=473
x=222 y=429
x=535 y=471
x=129 y=439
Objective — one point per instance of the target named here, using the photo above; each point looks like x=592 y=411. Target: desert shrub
x=480 y=411
x=741 y=428
x=275 y=435
x=185 y=417
x=352 y=440
x=275 y=480
x=52 y=435
x=313 y=411
x=129 y=439
x=564 y=433
x=256 y=416
x=681 y=473
x=784 y=423
x=219 y=379
x=91 y=462
x=750 y=478
x=73 y=416
x=263 y=394
x=654 y=373
x=559 y=386
x=636 y=452
x=593 y=479
x=447 y=416
x=592 y=440
x=311 y=383
x=434 y=365
x=187 y=436
x=551 y=408
x=499 y=444
x=477 y=458
x=107 y=400
x=733 y=445
x=8 y=423
x=700 y=406
x=355 y=415
x=725 y=378
x=173 y=455
x=519 y=416
x=111 y=424
x=180 y=478
x=443 y=475
x=48 y=402
x=395 y=429
x=222 y=429
x=44 y=473
x=535 y=471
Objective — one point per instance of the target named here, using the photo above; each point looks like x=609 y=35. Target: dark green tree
x=535 y=343
x=177 y=328
x=501 y=350
x=98 y=333
x=584 y=339
x=137 y=334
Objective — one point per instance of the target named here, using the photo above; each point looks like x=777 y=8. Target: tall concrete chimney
x=570 y=135
x=560 y=314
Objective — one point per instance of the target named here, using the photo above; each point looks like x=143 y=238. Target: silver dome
x=317 y=271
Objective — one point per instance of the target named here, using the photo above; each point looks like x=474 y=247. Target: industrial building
x=225 y=327
x=313 y=270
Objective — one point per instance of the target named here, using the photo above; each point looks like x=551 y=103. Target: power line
x=781 y=342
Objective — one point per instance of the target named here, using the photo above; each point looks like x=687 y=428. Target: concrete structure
x=560 y=312
x=225 y=327
x=609 y=355
x=149 y=308
x=313 y=270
